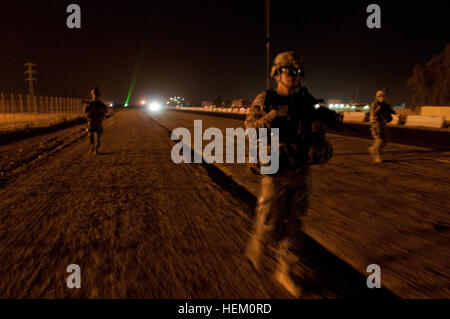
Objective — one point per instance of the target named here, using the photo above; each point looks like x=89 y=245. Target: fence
x=21 y=111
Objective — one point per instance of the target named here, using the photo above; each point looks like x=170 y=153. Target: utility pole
x=356 y=94
x=30 y=73
x=267 y=44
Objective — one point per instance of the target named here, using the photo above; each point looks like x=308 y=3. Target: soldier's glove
x=273 y=114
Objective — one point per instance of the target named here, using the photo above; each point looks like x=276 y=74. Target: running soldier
x=284 y=196
x=95 y=113
x=380 y=114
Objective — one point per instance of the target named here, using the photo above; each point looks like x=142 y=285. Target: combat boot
x=283 y=277
x=375 y=155
x=254 y=252
x=372 y=152
x=377 y=158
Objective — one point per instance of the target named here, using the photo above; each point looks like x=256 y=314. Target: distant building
x=207 y=103
x=241 y=103
x=175 y=101
x=335 y=101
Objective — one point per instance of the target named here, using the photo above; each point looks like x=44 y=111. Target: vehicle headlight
x=154 y=106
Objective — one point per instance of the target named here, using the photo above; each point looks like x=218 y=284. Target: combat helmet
x=288 y=58
x=379 y=93
x=96 y=91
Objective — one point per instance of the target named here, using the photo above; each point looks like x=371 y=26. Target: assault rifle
x=331 y=118
x=324 y=115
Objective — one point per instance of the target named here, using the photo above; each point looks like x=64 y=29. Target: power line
x=30 y=76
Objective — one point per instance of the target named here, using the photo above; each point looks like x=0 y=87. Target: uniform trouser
x=94 y=137
x=380 y=136
x=282 y=202
x=95 y=130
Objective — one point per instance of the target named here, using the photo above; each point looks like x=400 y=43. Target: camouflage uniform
x=380 y=115
x=95 y=113
x=284 y=196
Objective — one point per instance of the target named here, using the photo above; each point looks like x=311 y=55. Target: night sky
x=205 y=49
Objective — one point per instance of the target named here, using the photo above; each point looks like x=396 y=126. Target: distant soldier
x=380 y=114
x=95 y=113
x=284 y=196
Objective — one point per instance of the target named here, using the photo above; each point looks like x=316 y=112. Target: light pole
x=267 y=44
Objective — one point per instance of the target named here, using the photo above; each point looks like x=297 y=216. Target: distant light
x=317 y=106
x=111 y=105
x=143 y=102
x=353 y=107
x=154 y=106
x=126 y=104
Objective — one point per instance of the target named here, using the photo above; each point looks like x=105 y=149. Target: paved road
x=139 y=225
x=393 y=214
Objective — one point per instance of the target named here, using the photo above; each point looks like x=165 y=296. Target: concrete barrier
x=425 y=121
x=355 y=116
x=436 y=111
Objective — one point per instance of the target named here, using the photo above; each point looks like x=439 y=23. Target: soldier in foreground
x=284 y=196
x=380 y=114
x=95 y=113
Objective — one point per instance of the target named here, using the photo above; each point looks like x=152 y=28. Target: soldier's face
x=380 y=99
x=288 y=79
